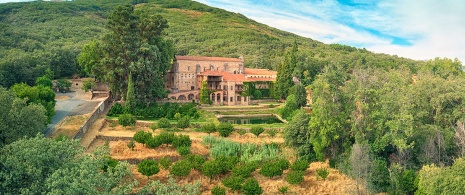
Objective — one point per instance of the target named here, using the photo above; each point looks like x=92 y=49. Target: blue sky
x=418 y=29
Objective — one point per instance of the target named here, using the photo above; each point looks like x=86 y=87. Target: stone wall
x=99 y=109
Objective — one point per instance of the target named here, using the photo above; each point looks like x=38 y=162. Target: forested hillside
x=40 y=35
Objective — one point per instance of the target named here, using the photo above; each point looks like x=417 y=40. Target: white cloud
x=434 y=28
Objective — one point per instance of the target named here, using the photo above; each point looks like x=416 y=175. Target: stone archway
x=190 y=96
x=182 y=97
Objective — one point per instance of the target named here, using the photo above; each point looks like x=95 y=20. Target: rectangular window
x=231 y=99
x=188 y=68
x=232 y=88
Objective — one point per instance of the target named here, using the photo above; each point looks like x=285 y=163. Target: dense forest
x=393 y=124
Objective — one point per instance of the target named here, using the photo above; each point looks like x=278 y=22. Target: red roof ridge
x=205 y=58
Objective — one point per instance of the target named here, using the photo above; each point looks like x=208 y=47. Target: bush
x=109 y=163
x=126 y=120
x=272 y=132
x=148 y=167
x=196 y=161
x=283 y=164
x=153 y=126
x=209 y=128
x=181 y=168
x=241 y=131
x=165 y=162
x=153 y=142
x=271 y=169
x=116 y=109
x=131 y=144
x=244 y=170
x=183 y=150
x=164 y=123
x=217 y=190
x=211 y=168
x=227 y=162
x=283 y=189
x=295 y=177
x=257 y=130
x=181 y=140
x=300 y=165
x=233 y=182
x=225 y=129
x=166 y=138
x=183 y=122
x=322 y=173
x=251 y=187
x=142 y=137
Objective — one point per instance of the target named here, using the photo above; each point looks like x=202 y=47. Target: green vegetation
x=164 y=123
x=127 y=120
x=225 y=129
x=180 y=168
x=322 y=173
x=217 y=190
x=295 y=177
x=257 y=130
x=148 y=167
x=245 y=169
x=251 y=187
x=300 y=165
x=283 y=189
x=18 y=119
x=233 y=182
x=165 y=162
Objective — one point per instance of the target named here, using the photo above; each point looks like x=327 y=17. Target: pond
x=250 y=120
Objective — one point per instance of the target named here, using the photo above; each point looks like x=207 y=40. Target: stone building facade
x=224 y=77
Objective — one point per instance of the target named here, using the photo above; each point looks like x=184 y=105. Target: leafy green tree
x=142 y=137
x=48 y=166
x=296 y=133
x=88 y=85
x=90 y=58
x=251 y=187
x=289 y=107
x=148 y=167
x=18 y=119
x=360 y=161
x=134 y=43
x=208 y=128
x=183 y=122
x=163 y=123
x=446 y=180
x=300 y=95
x=44 y=81
x=63 y=85
x=257 y=130
x=37 y=94
x=225 y=129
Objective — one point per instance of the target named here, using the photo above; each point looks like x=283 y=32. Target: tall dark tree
x=135 y=44
x=300 y=95
x=285 y=70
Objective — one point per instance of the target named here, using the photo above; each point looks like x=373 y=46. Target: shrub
x=166 y=138
x=164 y=123
x=271 y=169
x=233 y=182
x=300 y=165
x=177 y=116
x=283 y=189
x=227 y=162
x=153 y=126
x=165 y=162
x=209 y=128
x=196 y=161
x=153 y=142
x=148 y=167
x=257 y=130
x=142 y=137
x=116 y=109
x=126 y=120
x=181 y=140
x=217 y=190
x=322 y=173
x=184 y=122
x=283 y=164
x=109 y=163
x=272 y=132
x=241 y=131
x=183 y=150
x=131 y=144
x=244 y=170
x=211 y=168
x=251 y=187
x=181 y=168
x=225 y=129
x=295 y=177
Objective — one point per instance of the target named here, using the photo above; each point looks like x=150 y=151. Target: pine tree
x=285 y=70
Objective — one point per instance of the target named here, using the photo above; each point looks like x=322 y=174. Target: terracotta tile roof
x=203 y=58
x=257 y=71
x=260 y=79
x=226 y=75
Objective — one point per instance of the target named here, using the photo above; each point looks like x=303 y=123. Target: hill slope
x=38 y=35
